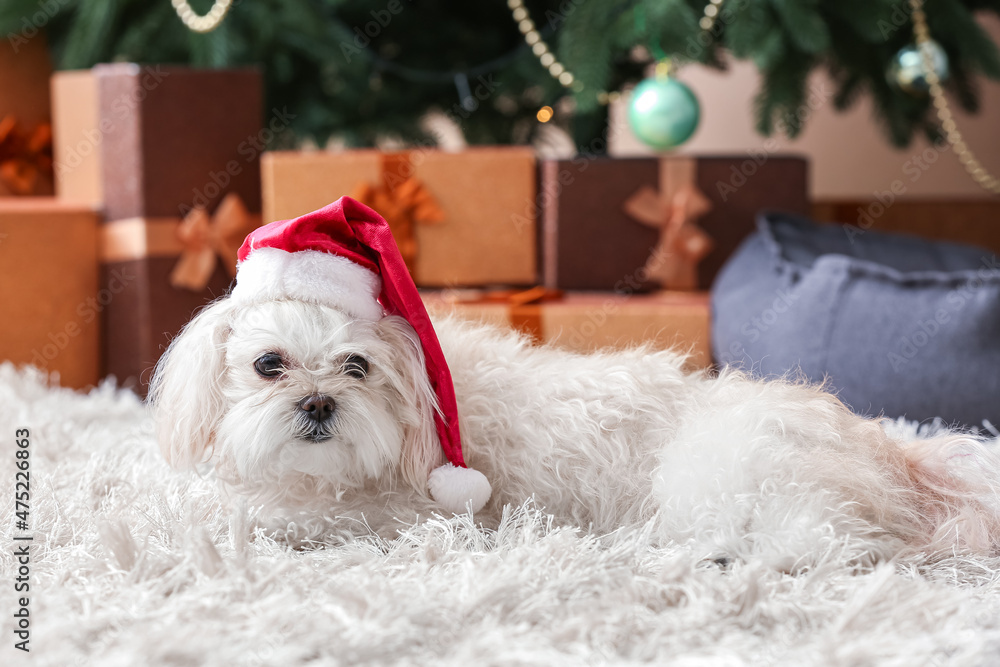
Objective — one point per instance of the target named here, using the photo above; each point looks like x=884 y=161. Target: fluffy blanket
x=134 y=564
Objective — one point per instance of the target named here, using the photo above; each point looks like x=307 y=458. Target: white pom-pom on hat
x=459 y=490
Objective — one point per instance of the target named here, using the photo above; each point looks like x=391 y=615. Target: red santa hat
x=344 y=256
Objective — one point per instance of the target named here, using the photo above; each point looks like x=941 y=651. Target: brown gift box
x=176 y=143
x=589 y=321
x=48 y=276
x=24 y=97
x=478 y=226
x=593 y=239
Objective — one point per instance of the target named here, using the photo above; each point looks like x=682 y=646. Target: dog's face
x=278 y=390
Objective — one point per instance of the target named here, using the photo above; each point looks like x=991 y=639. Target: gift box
x=179 y=173
x=646 y=223
x=25 y=131
x=589 y=321
x=459 y=219
x=49 y=279
x=77 y=136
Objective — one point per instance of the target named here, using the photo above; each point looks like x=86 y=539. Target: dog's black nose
x=319 y=407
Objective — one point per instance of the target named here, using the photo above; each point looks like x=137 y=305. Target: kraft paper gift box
x=49 y=281
x=180 y=182
x=25 y=129
x=644 y=223
x=589 y=321
x=460 y=219
x=77 y=136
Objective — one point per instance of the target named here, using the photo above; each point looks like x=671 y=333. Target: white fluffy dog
x=743 y=468
x=324 y=421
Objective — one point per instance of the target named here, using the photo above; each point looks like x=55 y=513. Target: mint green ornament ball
x=663 y=112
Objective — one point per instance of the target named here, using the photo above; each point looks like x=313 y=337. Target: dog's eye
x=269 y=365
x=356 y=366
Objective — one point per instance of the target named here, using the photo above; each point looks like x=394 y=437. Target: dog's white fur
x=739 y=468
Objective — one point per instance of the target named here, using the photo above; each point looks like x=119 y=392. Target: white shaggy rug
x=134 y=564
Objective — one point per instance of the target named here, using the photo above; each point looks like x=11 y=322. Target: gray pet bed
x=899 y=325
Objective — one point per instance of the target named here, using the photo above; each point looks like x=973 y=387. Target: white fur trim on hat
x=459 y=489
x=309 y=275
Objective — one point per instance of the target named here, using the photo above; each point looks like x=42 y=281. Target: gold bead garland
x=559 y=72
x=711 y=15
x=539 y=47
x=976 y=170
x=202 y=24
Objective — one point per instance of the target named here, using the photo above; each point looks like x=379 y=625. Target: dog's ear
x=421 y=450
x=185 y=391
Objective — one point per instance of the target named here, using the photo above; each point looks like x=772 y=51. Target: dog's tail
x=958 y=482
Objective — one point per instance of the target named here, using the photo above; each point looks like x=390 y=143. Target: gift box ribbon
x=403 y=201
x=200 y=240
x=24 y=156
x=578 y=321
x=524 y=307
x=674 y=210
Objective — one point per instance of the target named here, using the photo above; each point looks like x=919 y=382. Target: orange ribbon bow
x=206 y=239
x=24 y=157
x=404 y=205
x=682 y=244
